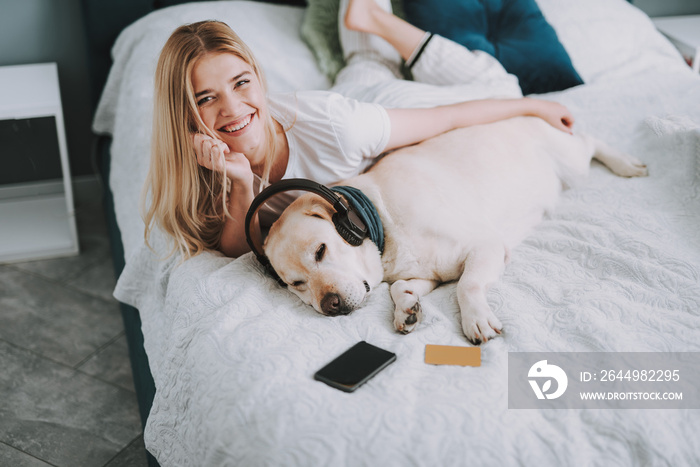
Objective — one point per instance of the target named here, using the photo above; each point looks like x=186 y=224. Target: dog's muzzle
x=333 y=305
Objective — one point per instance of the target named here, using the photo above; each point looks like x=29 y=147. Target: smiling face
x=231 y=102
x=317 y=264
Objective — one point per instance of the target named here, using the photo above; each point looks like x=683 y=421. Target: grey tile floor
x=66 y=393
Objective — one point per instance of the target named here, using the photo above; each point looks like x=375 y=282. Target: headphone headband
x=347 y=223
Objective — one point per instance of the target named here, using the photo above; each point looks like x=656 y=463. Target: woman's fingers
x=198 y=140
x=558 y=116
x=215 y=155
x=210 y=152
x=567 y=122
x=200 y=149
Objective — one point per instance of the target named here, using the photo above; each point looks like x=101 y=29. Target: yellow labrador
x=452 y=207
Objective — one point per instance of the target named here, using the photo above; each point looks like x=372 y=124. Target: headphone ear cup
x=348 y=231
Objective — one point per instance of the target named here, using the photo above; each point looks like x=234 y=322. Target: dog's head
x=320 y=267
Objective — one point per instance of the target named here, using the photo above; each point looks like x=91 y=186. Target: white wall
x=668 y=7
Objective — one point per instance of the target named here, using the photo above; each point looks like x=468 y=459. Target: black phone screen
x=355 y=366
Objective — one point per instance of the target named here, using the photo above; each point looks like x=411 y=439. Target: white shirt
x=330 y=137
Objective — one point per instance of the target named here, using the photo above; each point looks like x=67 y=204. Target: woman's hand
x=215 y=155
x=553 y=113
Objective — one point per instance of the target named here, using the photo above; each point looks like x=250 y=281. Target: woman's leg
x=375 y=42
x=431 y=59
x=368 y=17
x=443 y=62
x=370 y=61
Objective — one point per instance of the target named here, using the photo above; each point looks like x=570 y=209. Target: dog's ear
x=319 y=207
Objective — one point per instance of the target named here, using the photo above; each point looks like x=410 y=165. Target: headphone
x=347 y=222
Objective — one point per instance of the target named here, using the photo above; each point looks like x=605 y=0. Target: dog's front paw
x=408 y=313
x=627 y=166
x=480 y=326
x=633 y=167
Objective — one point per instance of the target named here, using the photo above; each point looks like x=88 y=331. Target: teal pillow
x=319 y=29
x=513 y=31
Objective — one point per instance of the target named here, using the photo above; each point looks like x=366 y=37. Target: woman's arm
x=233 y=235
x=411 y=126
x=215 y=155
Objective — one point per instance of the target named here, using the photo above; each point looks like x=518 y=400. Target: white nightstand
x=684 y=33
x=37 y=218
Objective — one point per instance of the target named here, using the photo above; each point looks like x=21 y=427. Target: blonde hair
x=187 y=201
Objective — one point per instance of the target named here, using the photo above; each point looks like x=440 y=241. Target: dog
x=452 y=207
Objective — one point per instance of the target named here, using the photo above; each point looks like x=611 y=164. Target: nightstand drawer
x=29 y=148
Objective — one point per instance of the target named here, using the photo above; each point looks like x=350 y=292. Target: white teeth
x=240 y=126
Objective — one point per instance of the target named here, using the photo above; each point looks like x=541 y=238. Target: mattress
x=613 y=269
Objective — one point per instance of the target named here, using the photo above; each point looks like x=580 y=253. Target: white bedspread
x=615 y=268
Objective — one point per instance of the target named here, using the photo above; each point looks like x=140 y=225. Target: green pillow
x=319 y=29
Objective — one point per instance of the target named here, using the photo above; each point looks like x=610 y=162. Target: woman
x=209 y=83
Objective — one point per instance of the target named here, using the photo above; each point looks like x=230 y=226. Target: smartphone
x=355 y=366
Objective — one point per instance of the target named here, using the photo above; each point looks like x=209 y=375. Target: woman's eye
x=320 y=252
x=242 y=82
x=204 y=100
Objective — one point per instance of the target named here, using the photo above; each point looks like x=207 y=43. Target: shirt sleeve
x=362 y=129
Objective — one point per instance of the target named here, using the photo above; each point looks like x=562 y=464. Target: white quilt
x=614 y=268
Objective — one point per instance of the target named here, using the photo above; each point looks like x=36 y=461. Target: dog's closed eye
x=320 y=252
x=298 y=283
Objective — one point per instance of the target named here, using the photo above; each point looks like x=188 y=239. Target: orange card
x=452 y=355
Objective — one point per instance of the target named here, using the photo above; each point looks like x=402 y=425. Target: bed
x=614 y=269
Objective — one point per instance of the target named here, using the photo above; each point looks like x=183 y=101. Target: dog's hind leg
x=406 y=296
x=483 y=267
x=618 y=162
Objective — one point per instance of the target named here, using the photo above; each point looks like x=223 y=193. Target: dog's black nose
x=332 y=304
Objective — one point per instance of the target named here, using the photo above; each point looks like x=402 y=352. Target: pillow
x=513 y=31
x=319 y=29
